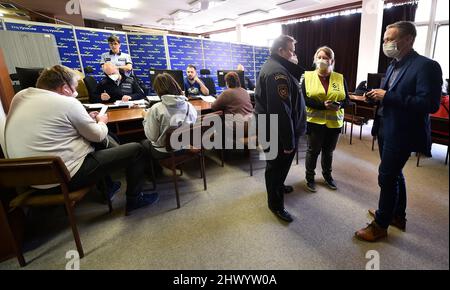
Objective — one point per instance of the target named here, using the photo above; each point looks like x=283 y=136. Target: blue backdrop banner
x=217 y=57
x=147 y=51
x=184 y=51
x=261 y=55
x=92 y=44
x=64 y=39
x=243 y=54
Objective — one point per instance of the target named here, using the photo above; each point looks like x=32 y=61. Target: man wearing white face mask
x=410 y=92
x=116 y=86
x=326 y=95
x=48 y=121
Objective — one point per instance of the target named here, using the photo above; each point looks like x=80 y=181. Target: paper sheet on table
x=131 y=103
x=153 y=98
x=93 y=106
x=209 y=99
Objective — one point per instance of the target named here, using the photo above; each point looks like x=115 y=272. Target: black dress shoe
x=287 y=189
x=283 y=215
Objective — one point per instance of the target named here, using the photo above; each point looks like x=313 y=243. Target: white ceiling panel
x=192 y=16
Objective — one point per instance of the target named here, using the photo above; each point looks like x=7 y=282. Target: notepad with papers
x=140 y=103
x=208 y=99
x=93 y=106
x=153 y=98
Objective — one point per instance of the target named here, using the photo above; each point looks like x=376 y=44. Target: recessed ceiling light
x=180 y=14
x=198 y=5
x=225 y=21
x=254 y=12
x=124 y=5
x=166 y=21
x=116 y=13
x=1 y=14
x=8 y=6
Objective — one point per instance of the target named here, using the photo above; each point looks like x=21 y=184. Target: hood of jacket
x=174 y=100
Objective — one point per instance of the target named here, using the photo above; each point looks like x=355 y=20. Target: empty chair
x=28 y=76
x=208 y=81
x=351 y=117
x=33 y=171
x=439 y=134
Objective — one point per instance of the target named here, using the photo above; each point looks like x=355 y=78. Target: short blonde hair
x=55 y=77
x=328 y=51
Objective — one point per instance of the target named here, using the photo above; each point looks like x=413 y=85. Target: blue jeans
x=391 y=181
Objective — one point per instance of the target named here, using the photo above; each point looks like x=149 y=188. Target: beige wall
x=57 y=8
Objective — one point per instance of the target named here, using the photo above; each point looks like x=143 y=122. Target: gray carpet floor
x=229 y=226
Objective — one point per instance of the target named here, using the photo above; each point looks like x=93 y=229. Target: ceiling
x=197 y=16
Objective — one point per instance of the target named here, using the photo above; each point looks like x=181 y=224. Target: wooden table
x=129 y=121
x=363 y=109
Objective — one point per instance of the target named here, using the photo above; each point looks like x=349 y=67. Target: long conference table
x=128 y=121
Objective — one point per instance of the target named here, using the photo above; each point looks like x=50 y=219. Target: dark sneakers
x=330 y=183
x=115 y=187
x=311 y=186
x=142 y=200
x=287 y=189
x=283 y=214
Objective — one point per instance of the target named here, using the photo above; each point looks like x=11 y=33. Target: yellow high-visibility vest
x=336 y=92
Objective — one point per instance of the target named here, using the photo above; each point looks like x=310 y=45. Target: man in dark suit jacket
x=408 y=95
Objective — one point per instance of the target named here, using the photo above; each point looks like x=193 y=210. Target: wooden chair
x=25 y=172
x=247 y=141
x=205 y=119
x=439 y=134
x=177 y=158
x=350 y=116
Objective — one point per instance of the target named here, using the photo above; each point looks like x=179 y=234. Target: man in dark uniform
x=278 y=92
x=116 y=86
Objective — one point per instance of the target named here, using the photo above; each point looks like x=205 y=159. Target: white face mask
x=73 y=94
x=114 y=77
x=390 y=49
x=294 y=59
x=322 y=64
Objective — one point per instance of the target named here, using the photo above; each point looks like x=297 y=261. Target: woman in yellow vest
x=325 y=93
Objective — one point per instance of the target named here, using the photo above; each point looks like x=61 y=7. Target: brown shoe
x=398 y=222
x=372 y=233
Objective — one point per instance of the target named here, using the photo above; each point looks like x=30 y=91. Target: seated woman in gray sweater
x=174 y=110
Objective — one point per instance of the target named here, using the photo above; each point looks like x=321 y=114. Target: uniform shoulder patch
x=282 y=82
x=283 y=91
x=280 y=76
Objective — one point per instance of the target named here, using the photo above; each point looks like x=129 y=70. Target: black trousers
x=276 y=173
x=321 y=139
x=101 y=163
